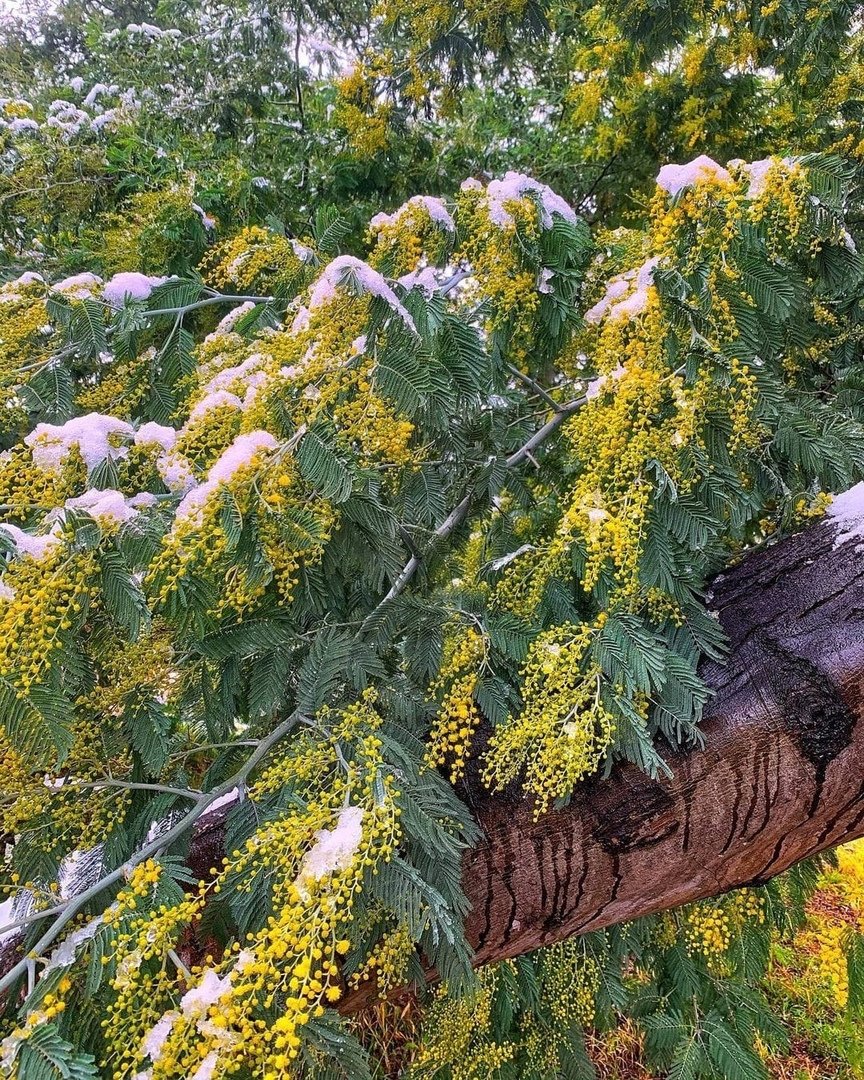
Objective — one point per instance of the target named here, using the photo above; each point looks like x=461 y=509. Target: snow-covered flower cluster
x=434 y=207
x=95 y=436
x=106 y=505
x=65 y=120
x=129 y=286
x=37 y=547
x=239 y=454
x=515 y=186
x=626 y=294
x=348 y=270
x=79 y=286
x=335 y=848
x=674 y=178
x=425 y=279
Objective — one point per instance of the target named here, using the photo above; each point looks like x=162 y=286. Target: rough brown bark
x=781 y=776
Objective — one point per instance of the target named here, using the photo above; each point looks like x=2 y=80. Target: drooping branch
x=781 y=776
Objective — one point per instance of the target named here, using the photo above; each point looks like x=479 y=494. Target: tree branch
x=459 y=512
x=68 y=910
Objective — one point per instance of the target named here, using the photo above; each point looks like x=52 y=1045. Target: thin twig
x=535 y=386
x=451 y=282
x=213 y=746
x=220 y=299
x=459 y=512
x=181 y=967
x=183 y=793
x=75 y=904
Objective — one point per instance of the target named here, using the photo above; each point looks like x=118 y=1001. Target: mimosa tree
x=355 y=623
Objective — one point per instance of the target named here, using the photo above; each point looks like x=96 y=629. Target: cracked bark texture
x=781 y=775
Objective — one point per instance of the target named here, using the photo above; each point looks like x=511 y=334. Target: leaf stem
x=73 y=906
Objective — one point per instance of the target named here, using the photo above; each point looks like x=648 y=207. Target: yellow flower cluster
x=539 y=1044
x=640 y=417
x=317 y=370
x=360 y=113
x=121 y=388
x=707 y=931
x=457 y=1033
x=458 y=716
x=822 y=942
x=564 y=728
x=152 y=231
x=571 y=979
x=387 y=962
x=26 y=338
x=48 y=594
x=426 y=21
x=614 y=436
x=781 y=206
x=50 y=1007
x=24 y=487
x=406 y=238
x=710 y=926
x=65 y=808
x=322 y=370
x=205 y=437
x=247 y=1009
x=199 y=545
x=145 y=668
x=141 y=883
x=21 y=800
x=257 y=258
x=144 y=974
x=495 y=254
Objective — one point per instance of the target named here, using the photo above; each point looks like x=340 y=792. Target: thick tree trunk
x=781 y=776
